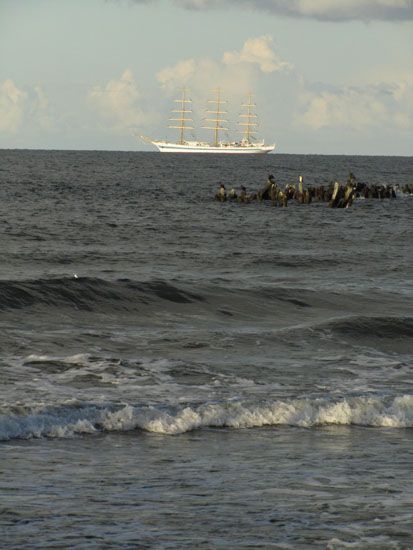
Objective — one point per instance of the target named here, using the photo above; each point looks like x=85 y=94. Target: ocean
x=176 y=372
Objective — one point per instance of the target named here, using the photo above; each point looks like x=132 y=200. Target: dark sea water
x=180 y=373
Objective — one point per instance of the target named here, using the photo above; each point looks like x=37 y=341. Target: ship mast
x=249 y=120
x=182 y=119
x=218 y=112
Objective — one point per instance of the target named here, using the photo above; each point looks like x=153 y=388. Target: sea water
x=177 y=372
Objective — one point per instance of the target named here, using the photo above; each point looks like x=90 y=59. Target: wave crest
x=66 y=421
x=89 y=294
x=379 y=327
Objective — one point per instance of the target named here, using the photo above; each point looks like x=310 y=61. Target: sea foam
x=67 y=421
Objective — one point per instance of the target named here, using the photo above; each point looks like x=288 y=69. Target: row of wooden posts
x=337 y=195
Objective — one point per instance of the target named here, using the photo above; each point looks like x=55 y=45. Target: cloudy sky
x=328 y=76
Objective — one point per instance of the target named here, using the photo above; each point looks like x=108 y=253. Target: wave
x=87 y=293
x=67 y=421
x=94 y=294
x=378 y=327
x=282 y=304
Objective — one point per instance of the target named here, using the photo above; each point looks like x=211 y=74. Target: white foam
x=363 y=543
x=65 y=422
x=77 y=359
x=396 y=412
x=302 y=413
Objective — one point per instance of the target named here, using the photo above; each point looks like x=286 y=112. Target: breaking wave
x=67 y=421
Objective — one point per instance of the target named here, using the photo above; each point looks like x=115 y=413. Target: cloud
x=323 y=10
x=203 y=75
x=118 y=102
x=12 y=107
x=23 y=107
x=178 y=75
x=236 y=72
x=260 y=51
x=377 y=106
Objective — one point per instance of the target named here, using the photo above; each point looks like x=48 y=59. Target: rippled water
x=179 y=373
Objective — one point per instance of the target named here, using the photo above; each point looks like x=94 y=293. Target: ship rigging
x=214 y=121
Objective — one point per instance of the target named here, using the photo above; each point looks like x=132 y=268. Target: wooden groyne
x=335 y=195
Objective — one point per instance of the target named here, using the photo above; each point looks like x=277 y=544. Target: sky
x=328 y=76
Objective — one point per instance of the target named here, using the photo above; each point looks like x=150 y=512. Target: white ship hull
x=199 y=147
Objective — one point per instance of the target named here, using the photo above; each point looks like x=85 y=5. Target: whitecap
x=65 y=421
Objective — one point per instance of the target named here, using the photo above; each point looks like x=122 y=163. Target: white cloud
x=377 y=106
x=118 y=102
x=203 y=75
x=236 y=72
x=12 y=107
x=23 y=108
x=260 y=51
x=178 y=75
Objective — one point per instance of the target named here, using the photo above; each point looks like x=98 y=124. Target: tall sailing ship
x=215 y=121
